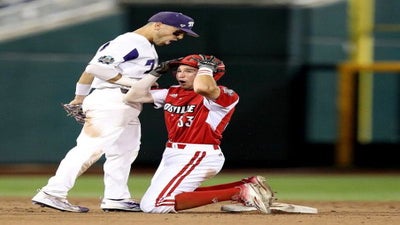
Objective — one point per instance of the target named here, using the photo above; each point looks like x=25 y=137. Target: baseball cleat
x=250 y=196
x=46 y=200
x=268 y=195
x=127 y=205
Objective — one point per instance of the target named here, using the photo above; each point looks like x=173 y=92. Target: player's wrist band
x=82 y=89
x=205 y=71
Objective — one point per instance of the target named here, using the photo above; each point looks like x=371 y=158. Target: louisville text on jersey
x=179 y=109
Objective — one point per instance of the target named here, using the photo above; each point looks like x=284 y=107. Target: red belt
x=183 y=146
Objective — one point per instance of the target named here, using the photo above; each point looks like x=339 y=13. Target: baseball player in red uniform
x=196 y=113
x=111 y=127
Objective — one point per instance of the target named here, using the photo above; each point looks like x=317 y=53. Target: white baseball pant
x=182 y=169
x=112 y=128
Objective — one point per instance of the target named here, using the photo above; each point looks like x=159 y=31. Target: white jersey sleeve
x=130 y=54
x=159 y=96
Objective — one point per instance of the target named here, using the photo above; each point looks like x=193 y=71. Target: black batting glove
x=210 y=62
x=161 y=69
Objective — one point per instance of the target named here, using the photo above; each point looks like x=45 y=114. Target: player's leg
x=247 y=194
x=117 y=166
x=173 y=187
x=220 y=186
x=91 y=141
x=267 y=194
x=247 y=191
x=125 y=132
x=182 y=171
x=76 y=161
x=259 y=180
x=102 y=128
x=116 y=128
x=189 y=200
x=73 y=165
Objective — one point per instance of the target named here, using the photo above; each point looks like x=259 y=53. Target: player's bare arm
x=140 y=90
x=109 y=74
x=204 y=82
x=205 y=85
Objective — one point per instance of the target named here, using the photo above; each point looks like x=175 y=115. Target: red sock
x=220 y=186
x=188 y=200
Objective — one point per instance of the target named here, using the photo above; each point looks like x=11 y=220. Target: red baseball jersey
x=192 y=118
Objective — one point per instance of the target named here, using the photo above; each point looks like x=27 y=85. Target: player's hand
x=77 y=100
x=155 y=86
x=208 y=62
x=161 y=69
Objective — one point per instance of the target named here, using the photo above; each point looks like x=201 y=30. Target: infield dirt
x=20 y=211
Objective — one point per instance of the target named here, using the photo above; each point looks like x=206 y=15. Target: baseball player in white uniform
x=111 y=127
x=196 y=114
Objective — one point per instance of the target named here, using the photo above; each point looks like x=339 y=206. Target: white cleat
x=46 y=200
x=127 y=205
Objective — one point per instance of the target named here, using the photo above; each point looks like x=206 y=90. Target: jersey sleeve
x=159 y=96
x=226 y=98
x=115 y=52
x=129 y=54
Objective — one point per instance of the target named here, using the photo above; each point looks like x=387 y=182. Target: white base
x=276 y=207
x=292 y=208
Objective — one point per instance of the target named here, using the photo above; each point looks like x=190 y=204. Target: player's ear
x=157 y=25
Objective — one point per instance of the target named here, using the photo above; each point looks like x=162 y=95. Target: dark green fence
x=281 y=60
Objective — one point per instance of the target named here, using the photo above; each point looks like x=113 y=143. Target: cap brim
x=190 y=32
x=175 y=64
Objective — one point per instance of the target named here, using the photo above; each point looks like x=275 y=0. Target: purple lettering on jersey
x=131 y=55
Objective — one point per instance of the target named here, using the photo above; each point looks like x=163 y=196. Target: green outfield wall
x=281 y=60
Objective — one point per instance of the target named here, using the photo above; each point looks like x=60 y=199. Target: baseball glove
x=75 y=111
x=164 y=67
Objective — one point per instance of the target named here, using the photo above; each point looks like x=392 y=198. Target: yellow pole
x=361 y=30
x=360 y=24
x=346 y=106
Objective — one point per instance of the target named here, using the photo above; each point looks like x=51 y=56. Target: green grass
x=288 y=187
x=338 y=188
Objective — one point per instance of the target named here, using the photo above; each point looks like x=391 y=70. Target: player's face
x=167 y=34
x=185 y=76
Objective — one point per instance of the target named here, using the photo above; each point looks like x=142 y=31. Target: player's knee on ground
x=150 y=206
x=158 y=209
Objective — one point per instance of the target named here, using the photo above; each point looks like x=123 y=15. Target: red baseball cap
x=192 y=60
